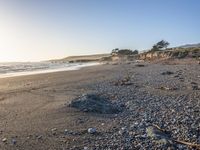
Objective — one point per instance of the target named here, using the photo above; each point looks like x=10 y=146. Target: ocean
x=28 y=68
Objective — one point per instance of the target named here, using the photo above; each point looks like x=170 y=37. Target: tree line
x=161 y=45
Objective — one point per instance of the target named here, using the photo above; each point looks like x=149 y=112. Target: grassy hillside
x=83 y=58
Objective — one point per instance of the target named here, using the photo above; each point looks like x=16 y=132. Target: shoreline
x=68 y=68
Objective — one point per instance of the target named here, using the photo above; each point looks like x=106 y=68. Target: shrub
x=160 y=45
x=124 y=52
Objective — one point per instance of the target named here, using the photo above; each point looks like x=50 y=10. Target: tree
x=114 y=51
x=123 y=52
x=135 y=52
x=160 y=45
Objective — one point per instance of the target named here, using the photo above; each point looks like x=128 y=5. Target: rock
x=95 y=103
x=39 y=137
x=4 y=139
x=139 y=65
x=86 y=148
x=195 y=87
x=54 y=129
x=92 y=130
x=65 y=131
x=13 y=141
x=123 y=130
x=176 y=76
x=167 y=73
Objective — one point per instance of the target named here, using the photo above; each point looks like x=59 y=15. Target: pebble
x=54 y=129
x=123 y=130
x=65 y=131
x=4 y=139
x=85 y=148
x=92 y=130
x=39 y=137
x=13 y=141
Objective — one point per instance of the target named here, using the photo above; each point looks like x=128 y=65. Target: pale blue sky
x=32 y=30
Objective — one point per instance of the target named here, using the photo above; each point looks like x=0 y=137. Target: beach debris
x=167 y=88
x=125 y=81
x=164 y=137
x=167 y=73
x=95 y=103
x=92 y=130
x=39 y=137
x=156 y=133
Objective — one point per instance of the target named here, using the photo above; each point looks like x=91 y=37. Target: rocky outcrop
x=95 y=103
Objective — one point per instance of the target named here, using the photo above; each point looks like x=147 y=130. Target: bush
x=160 y=45
x=124 y=52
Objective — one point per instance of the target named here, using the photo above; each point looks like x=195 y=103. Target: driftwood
x=192 y=145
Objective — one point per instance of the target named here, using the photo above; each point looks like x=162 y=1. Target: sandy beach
x=34 y=109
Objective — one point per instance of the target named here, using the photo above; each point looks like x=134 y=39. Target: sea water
x=29 y=68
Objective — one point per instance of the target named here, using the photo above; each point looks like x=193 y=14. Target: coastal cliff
x=171 y=53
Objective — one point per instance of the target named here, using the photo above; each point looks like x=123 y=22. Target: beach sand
x=34 y=112
x=31 y=106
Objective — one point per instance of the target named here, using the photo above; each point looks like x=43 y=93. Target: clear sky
x=32 y=30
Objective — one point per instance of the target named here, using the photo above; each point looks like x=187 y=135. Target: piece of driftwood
x=192 y=145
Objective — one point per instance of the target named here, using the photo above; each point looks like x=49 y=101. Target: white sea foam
x=29 y=68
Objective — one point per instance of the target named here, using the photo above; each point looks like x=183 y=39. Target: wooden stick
x=197 y=146
x=156 y=126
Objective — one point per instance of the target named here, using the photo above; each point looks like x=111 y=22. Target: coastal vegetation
x=159 y=50
x=161 y=45
x=118 y=51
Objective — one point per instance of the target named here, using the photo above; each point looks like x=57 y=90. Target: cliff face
x=181 y=53
x=154 y=55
